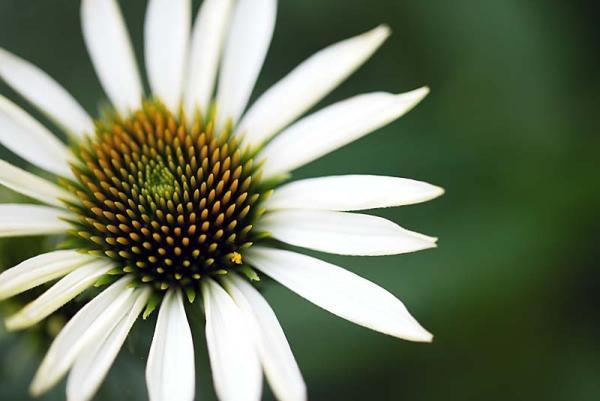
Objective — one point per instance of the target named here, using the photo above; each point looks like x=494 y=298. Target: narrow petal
x=59 y=294
x=343 y=233
x=276 y=356
x=170 y=373
x=351 y=192
x=167 y=33
x=31 y=185
x=39 y=270
x=46 y=94
x=93 y=364
x=29 y=139
x=339 y=291
x=306 y=85
x=249 y=39
x=207 y=43
x=110 y=49
x=88 y=326
x=235 y=366
x=18 y=220
x=334 y=127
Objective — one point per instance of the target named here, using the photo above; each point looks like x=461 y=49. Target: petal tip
x=431 y=192
x=425 y=337
x=382 y=32
x=437 y=192
x=430 y=243
x=412 y=98
x=36 y=389
x=421 y=92
x=14 y=323
x=427 y=242
x=417 y=333
x=4 y=290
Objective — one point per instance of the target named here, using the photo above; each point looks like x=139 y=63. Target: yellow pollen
x=236 y=258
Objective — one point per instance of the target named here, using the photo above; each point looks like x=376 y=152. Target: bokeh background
x=510 y=130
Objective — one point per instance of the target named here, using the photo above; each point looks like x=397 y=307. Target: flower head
x=185 y=194
x=169 y=204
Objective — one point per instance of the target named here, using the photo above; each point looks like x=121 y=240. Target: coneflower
x=185 y=194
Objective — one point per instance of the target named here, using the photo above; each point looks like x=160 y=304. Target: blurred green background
x=510 y=130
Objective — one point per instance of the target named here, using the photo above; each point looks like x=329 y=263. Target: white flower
x=161 y=199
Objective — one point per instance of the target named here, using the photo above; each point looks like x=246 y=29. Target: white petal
x=33 y=186
x=307 y=84
x=170 y=373
x=59 y=294
x=45 y=93
x=235 y=366
x=339 y=291
x=29 y=139
x=207 y=43
x=343 y=233
x=249 y=39
x=276 y=356
x=38 y=270
x=333 y=127
x=351 y=192
x=110 y=49
x=167 y=33
x=23 y=220
x=89 y=325
x=94 y=363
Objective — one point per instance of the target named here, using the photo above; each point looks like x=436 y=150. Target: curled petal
x=333 y=127
x=351 y=192
x=307 y=84
x=343 y=233
x=170 y=373
x=235 y=366
x=111 y=52
x=274 y=351
x=91 y=324
x=46 y=94
x=339 y=291
x=249 y=39
x=38 y=270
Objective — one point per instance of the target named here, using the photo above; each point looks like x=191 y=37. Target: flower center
x=169 y=203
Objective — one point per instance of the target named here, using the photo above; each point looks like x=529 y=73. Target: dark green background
x=510 y=130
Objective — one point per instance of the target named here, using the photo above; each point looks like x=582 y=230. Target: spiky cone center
x=170 y=203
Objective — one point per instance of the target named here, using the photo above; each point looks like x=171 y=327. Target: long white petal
x=351 y=192
x=45 y=93
x=29 y=139
x=89 y=325
x=24 y=220
x=249 y=39
x=343 y=233
x=167 y=33
x=93 y=364
x=339 y=291
x=276 y=356
x=59 y=294
x=308 y=83
x=32 y=186
x=333 y=127
x=207 y=43
x=235 y=365
x=110 y=49
x=38 y=270
x=170 y=373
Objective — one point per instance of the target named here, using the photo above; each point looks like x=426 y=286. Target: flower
x=185 y=195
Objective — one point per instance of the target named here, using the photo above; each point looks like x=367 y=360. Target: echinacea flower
x=185 y=195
